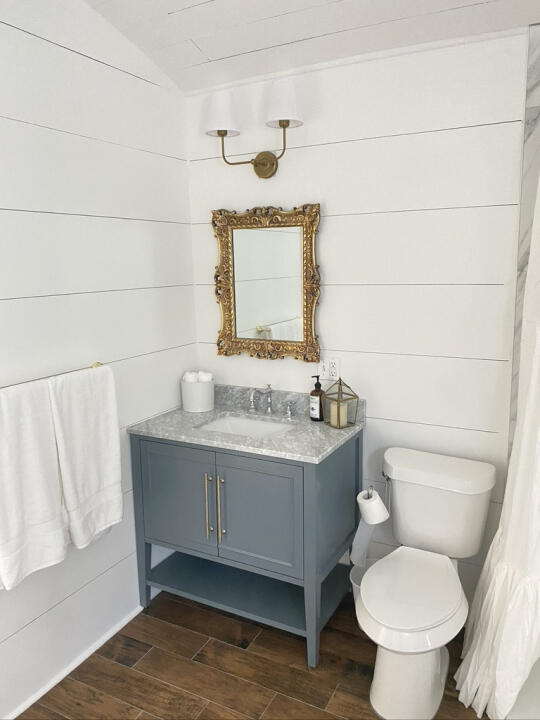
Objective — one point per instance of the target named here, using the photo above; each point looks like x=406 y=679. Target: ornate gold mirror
x=267 y=282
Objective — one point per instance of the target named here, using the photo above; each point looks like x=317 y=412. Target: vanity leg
x=312 y=603
x=144 y=561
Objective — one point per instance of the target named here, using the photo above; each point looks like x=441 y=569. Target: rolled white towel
x=191 y=376
x=205 y=376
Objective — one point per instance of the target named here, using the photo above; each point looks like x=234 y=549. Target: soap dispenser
x=315 y=402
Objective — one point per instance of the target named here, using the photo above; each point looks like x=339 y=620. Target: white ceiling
x=204 y=43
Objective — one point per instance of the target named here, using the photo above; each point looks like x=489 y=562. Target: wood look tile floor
x=179 y=660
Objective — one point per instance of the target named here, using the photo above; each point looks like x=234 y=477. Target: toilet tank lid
x=469 y=477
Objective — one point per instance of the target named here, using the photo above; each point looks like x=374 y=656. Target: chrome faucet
x=289 y=411
x=268 y=392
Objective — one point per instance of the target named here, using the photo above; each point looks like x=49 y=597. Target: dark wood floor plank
x=78 y=701
x=203 y=620
x=207 y=682
x=344 y=645
x=272 y=675
x=39 y=712
x=290 y=650
x=217 y=712
x=285 y=708
x=131 y=686
x=349 y=705
x=175 y=639
x=123 y=650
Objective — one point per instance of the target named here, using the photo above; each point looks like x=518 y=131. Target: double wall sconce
x=282 y=113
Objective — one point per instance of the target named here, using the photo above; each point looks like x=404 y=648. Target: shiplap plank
x=157 y=379
x=469 y=245
x=279 y=30
x=470 y=394
x=69 y=631
x=452 y=168
x=42 y=590
x=101 y=103
x=51 y=254
x=456 y=321
x=59 y=333
x=396 y=38
x=76 y=26
x=164 y=24
x=473 y=444
x=58 y=172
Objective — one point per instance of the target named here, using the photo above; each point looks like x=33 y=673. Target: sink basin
x=246 y=426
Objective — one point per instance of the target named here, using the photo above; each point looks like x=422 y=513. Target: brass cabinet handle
x=208 y=528
x=221 y=531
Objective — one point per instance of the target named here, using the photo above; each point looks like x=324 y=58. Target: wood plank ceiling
x=204 y=43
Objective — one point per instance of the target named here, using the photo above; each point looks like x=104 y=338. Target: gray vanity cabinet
x=175 y=496
x=258 y=537
x=261 y=513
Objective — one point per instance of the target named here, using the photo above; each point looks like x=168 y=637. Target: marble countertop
x=305 y=441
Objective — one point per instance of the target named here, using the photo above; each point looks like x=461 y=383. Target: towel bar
x=66 y=372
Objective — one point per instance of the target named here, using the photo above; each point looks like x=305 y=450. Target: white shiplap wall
x=95 y=265
x=416 y=161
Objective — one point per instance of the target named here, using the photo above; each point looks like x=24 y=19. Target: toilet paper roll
x=372 y=509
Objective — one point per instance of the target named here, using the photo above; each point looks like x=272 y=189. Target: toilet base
x=408 y=686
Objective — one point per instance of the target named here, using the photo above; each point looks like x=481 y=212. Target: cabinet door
x=179 y=496
x=261 y=513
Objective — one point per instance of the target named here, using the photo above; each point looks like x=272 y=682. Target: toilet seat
x=411 y=589
x=410 y=601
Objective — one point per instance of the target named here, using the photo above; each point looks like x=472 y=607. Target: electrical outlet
x=329 y=369
x=333 y=369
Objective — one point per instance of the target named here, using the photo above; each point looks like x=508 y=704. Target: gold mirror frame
x=224 y=222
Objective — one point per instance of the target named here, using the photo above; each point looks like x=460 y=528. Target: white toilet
x=411 y=602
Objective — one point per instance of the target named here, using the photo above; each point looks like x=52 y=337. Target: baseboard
x=77 y=661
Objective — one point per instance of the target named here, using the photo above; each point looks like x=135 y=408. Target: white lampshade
x=221 y=114
x=283 y=105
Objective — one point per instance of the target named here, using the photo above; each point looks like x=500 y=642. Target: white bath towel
x=87 y=436
x=33 y=524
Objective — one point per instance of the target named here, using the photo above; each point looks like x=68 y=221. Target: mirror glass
x=268 y=283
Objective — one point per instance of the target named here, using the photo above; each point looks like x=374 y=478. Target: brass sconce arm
x=265 y=163
x=222 y=134
x=284 y=124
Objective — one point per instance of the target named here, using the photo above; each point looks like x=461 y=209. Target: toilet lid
x=411 y=589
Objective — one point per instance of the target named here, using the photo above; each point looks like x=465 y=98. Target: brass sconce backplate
x=265 y=164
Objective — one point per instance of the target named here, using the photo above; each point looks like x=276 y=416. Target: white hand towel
x=87 y=436
x=33 y=525
x=205 y=376
x=190 y=376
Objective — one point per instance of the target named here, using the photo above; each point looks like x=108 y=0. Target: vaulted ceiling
x=203 y=43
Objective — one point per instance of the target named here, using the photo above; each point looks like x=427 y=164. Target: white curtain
x=502 y=639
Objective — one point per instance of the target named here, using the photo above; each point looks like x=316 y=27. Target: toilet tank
x=438 y=503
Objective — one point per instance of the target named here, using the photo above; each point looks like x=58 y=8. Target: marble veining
x=307 y=441
x=529 y=184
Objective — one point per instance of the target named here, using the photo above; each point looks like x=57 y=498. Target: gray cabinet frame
x=300 y=601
